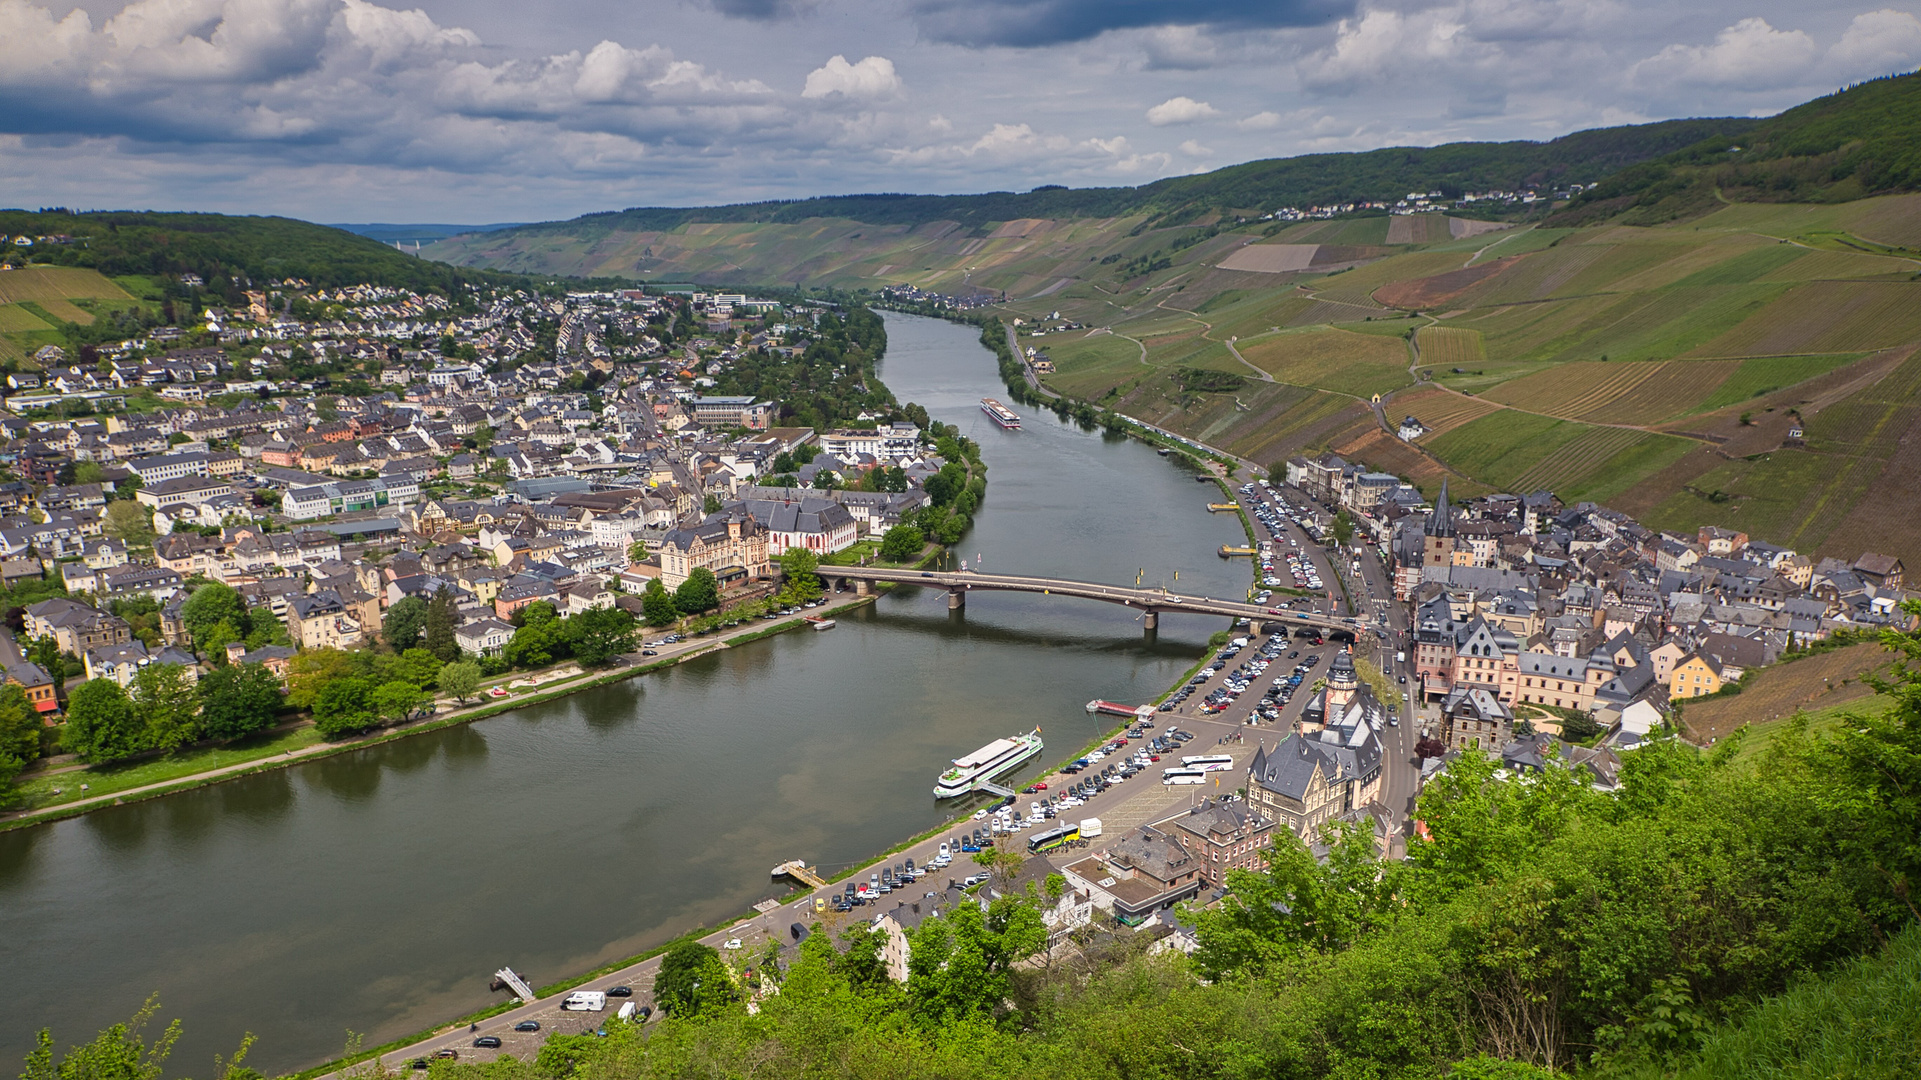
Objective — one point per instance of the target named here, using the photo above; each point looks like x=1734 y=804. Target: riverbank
x=300 y=744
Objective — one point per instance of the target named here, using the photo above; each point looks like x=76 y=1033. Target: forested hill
x=218 y=246
x=1582 y=157
x=1858 y=142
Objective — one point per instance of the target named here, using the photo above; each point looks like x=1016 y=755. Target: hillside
x=850 y=240
x=1845 y=146
x=223 y=247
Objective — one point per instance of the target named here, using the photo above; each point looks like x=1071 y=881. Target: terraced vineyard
x=1338 y=360
x=1449 y=347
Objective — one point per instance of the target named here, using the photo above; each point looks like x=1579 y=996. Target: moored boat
x=998 y=757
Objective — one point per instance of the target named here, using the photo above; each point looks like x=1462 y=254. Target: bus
x=1173 y=777
x=1058 y=836
x=1208 y=762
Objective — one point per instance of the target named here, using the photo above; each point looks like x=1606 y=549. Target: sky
x=474 y=111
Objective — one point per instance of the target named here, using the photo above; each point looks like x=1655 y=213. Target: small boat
x=1163 y=451
x=819 y=623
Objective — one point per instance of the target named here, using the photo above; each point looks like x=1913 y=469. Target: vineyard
x=58 y=283
x=1673 y=389
x=1450 y=347
x=1500 y=446
x=1576 y=459
x=1348 y=363
x=1762 y=375
x=1826 y=317
x=17 y=320
x=1438 y=409
x=1815 y=682
x=1572 y=389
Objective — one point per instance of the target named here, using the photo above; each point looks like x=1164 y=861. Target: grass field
x=1763 y=375
x=1818 y=683
x=65 y=311
x=16 y=319
x=1337 y=360
x=43 y=283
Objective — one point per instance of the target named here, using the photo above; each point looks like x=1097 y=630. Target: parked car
x=488 y=1042
x=527 y=1025
x=620 y=991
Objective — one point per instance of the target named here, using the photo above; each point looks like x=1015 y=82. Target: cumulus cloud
x=1877 y=43
x=873 y=77
x=1750 y=55
x=1031 y=23
x=763 y=10
x=1192 y=148
x=1179 y=48
x=1383 y=44
x=1180 y=110
x=1260 y=121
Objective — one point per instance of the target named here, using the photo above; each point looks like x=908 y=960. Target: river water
x=377 y=891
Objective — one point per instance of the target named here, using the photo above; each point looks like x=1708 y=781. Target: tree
x=395 y=702
x=461 y=679
x=536 y=644
x=700 y=592
x=657 y=604
x=416 y=666
x=597 y=635
x=710 y=505
x=344 y=706
x=960 y=965
x=19 y=736
x=209 y=606
x=237 y=700
x=798 y=564
x=442 y=617
x=118 y=1053
x=101 y=725
x=311 y=671
x=130 y=522
x=692 y=979
x=826 y=480
x=902 y=543
x=1343 y=527
x=403 y=623
x=166 y=707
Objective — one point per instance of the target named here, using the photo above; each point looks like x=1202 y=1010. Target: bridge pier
x=956 y=599
x=863 y=587
x=1152 y=621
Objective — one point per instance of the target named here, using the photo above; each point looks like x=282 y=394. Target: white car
x=981 y=814
x=732 y=943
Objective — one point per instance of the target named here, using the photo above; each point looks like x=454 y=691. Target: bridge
x=1150 y=602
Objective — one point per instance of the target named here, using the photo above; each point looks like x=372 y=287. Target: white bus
x=1173 y=777
x=1208 y=762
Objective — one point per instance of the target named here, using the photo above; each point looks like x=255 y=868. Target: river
x=377 y=891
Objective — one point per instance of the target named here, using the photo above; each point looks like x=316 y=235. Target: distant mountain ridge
x=1258 y=186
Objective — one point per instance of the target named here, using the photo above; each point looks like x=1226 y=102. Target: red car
x=1040 y=787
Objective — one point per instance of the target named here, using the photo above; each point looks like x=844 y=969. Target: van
x=585 y=1001
x=1090 y=828
x=1400 y=657
x=627 y=1010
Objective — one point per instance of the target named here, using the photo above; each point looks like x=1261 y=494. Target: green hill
x=581 y=244
x=222 y=247
x=1848 y=145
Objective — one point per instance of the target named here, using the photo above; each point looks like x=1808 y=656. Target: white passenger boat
x=990 y=761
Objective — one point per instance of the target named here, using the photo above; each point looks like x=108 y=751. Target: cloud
x=1179 y=48
x=763 y=10
x=873 y=77
x=1180 y=110
x=1876 y=43
x=1032 y=23
x=1193 y=148
x=1382 y=45
x=1260 y=121
x=1750 y=55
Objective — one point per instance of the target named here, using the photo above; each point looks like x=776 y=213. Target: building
x=30 y=677
x=183 y=490
x=1224 y=836
x=74 y=626
x=732 y=544
x=822 y=526
x=324 y=500
x=484 y=637
x=1473 y=717
x=1698 y=674
x=322 y=620
x=743 y=412
x=1331 y=767
x=1142 y=872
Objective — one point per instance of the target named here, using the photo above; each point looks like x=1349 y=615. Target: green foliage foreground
x=1680 y=925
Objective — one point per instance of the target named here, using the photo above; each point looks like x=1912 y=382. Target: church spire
x=1441 y=521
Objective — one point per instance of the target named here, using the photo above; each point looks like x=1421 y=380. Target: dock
x=994 y=789
x=1223 y=508
x=1115 y=708
x=798 y=870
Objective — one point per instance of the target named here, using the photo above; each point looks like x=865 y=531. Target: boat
x=1222 y=508
x=1000 y=414
x=990 y=761
x=819 y=623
